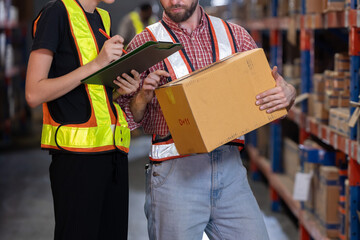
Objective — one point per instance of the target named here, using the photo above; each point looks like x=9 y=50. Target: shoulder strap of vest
x=178 y=64
x=105 y=17
x=222 y=38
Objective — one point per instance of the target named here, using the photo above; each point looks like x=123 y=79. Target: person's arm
x=281 y=96
x=40 y=89
x=139 y=102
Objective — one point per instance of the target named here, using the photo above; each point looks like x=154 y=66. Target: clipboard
x=140 y=59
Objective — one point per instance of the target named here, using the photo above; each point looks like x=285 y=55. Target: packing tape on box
x=170 y=95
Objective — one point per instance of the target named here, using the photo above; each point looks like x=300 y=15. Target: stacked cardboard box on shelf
x=314 y=6
x=331 y=5
x=338 y=120
x=332 y=90
x=314 y=185
x=291 y=158
x=327 y=198
x=294 y=7
x=322 y=204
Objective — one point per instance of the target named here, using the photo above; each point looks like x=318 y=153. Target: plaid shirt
x=198 y=48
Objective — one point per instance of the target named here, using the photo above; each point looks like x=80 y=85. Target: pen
x=108 y=37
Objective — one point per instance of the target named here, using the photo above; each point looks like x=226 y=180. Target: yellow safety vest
x=137 y=23
x=103 y=131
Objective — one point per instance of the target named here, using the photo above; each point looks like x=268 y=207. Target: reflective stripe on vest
x=102 y=132
x=178 y=66
x=176 y=63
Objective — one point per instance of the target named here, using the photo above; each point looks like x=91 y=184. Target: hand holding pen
x=108 y=37
x=127 y=84
x=112 y=50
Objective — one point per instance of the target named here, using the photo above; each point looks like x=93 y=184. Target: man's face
x=179 y=10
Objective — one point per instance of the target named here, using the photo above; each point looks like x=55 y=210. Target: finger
x=276 y=108
x=135 y=74
x=271 y=98
x=161 y=73
x=120 y=81
x=272 y=104
x=117 y=39
x=269 y=92
x=151 y=82
x=275 y=73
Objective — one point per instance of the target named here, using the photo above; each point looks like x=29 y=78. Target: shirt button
x=200 y=59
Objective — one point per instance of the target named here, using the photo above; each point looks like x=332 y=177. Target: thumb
x=275 y=73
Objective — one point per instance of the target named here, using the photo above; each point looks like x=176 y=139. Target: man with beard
x=187 y=195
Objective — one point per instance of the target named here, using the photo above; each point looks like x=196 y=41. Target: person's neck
x=89 y=5
x=193 y=22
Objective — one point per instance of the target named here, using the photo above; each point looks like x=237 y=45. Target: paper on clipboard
x=140 y=59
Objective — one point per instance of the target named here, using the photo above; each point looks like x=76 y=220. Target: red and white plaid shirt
x=198 y=48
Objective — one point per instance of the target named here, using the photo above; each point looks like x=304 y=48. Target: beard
x=181 y=17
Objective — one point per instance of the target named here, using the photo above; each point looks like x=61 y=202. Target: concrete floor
x=26 y=203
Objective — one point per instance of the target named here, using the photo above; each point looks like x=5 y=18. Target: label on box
x=302 y=186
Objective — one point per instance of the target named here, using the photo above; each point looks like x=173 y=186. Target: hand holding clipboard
x=140 y=59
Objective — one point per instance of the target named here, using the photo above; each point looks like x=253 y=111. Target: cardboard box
x=314 y=185
x=294 y=7
x=328 y=201
x=320 y=112
x=319 y=87
x=332 y=5
x=291 y=158
x=215 y=105
x=342 y=62
x=314 y=6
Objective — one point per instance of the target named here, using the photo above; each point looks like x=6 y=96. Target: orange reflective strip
x=166 y=142
x=85 y=150
x=229 y=37
x=185 y=61
x=343 y=172
x=170 y=69
x=35 y=24
x=342 y=237
x=92 y=120
x=342 y=210
x=112 y=114
x=182 y=56
x=215 y=42
x=342 y=198
x=152 y=35
x=167 y=158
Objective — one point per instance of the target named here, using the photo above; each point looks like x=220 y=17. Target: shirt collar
x=176 y=28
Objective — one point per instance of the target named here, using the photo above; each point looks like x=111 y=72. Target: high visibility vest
x=137 y=23
x=104 y=131
x=178 y=65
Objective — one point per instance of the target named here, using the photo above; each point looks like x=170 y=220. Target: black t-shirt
x=53 y=33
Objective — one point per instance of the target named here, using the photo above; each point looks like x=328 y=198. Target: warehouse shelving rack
x=346 y=146
x=14 y=112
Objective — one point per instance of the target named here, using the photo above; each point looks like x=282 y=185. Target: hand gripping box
x=215 y=105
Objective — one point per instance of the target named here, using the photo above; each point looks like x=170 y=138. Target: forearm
x=48 y=89
x=138 y=108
